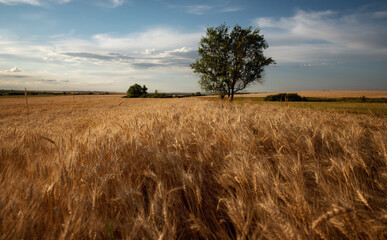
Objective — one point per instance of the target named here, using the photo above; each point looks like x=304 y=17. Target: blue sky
x=109 y=45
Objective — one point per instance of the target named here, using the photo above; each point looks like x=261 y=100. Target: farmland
x=374 y=109
x=104 y=167
x=329 y=94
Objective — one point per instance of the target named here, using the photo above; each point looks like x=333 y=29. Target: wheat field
x=103 y=167
x=327 y=94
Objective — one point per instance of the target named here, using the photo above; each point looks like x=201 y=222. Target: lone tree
x=136 y=91
x=230 y=61
x=144 y=90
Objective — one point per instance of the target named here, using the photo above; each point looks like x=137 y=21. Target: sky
x=109 y=45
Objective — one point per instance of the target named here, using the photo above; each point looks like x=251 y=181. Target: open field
x=374 y=109
x=103 y=167
x=327 y=94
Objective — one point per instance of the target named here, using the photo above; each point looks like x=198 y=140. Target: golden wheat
x=100 y=167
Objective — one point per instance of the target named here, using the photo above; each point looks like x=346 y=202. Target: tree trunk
x=231 y=98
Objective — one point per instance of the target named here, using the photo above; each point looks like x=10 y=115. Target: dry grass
x=108 y=168
x=327 y=94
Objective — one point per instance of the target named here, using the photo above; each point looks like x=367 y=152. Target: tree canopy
x=136 y=91
x=230 y=61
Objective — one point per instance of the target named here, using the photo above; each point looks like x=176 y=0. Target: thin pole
x=28 y=109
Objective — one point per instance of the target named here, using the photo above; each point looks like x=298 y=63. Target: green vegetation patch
x=291 y=97
x=21 y=93
x=294 y=97
x=373 y=106
x=376 y=107
x=136 y=91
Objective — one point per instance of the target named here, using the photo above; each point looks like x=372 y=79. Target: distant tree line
x=48 y=93
x=138 y=91
x=291 y=97
x=294 y=97
x=21 y=93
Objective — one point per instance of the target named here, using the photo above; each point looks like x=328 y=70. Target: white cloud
x=198 y=9
x=33 y=2
x=149 y=51
x=15 y=2
x=60 y=1
x=14 y=70
x=380 y=14
x=181 y=50
x=116 y=3
x=110 y=3
x=325 y=36
x=88 y=62
x=102 y=3
x=211 y=7
x=231 y=9
x=162 y=39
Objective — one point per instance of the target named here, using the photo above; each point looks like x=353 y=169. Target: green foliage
x=144 y=90
x=158 y=95
x=17 y=93
x=294 y=97
x=348 y=99
x=230 y=61
x=136 y=91
x=21 y=93
x=290 y=97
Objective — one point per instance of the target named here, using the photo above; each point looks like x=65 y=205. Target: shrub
x=291 y=97
x=196 y=94
x=160 y=95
